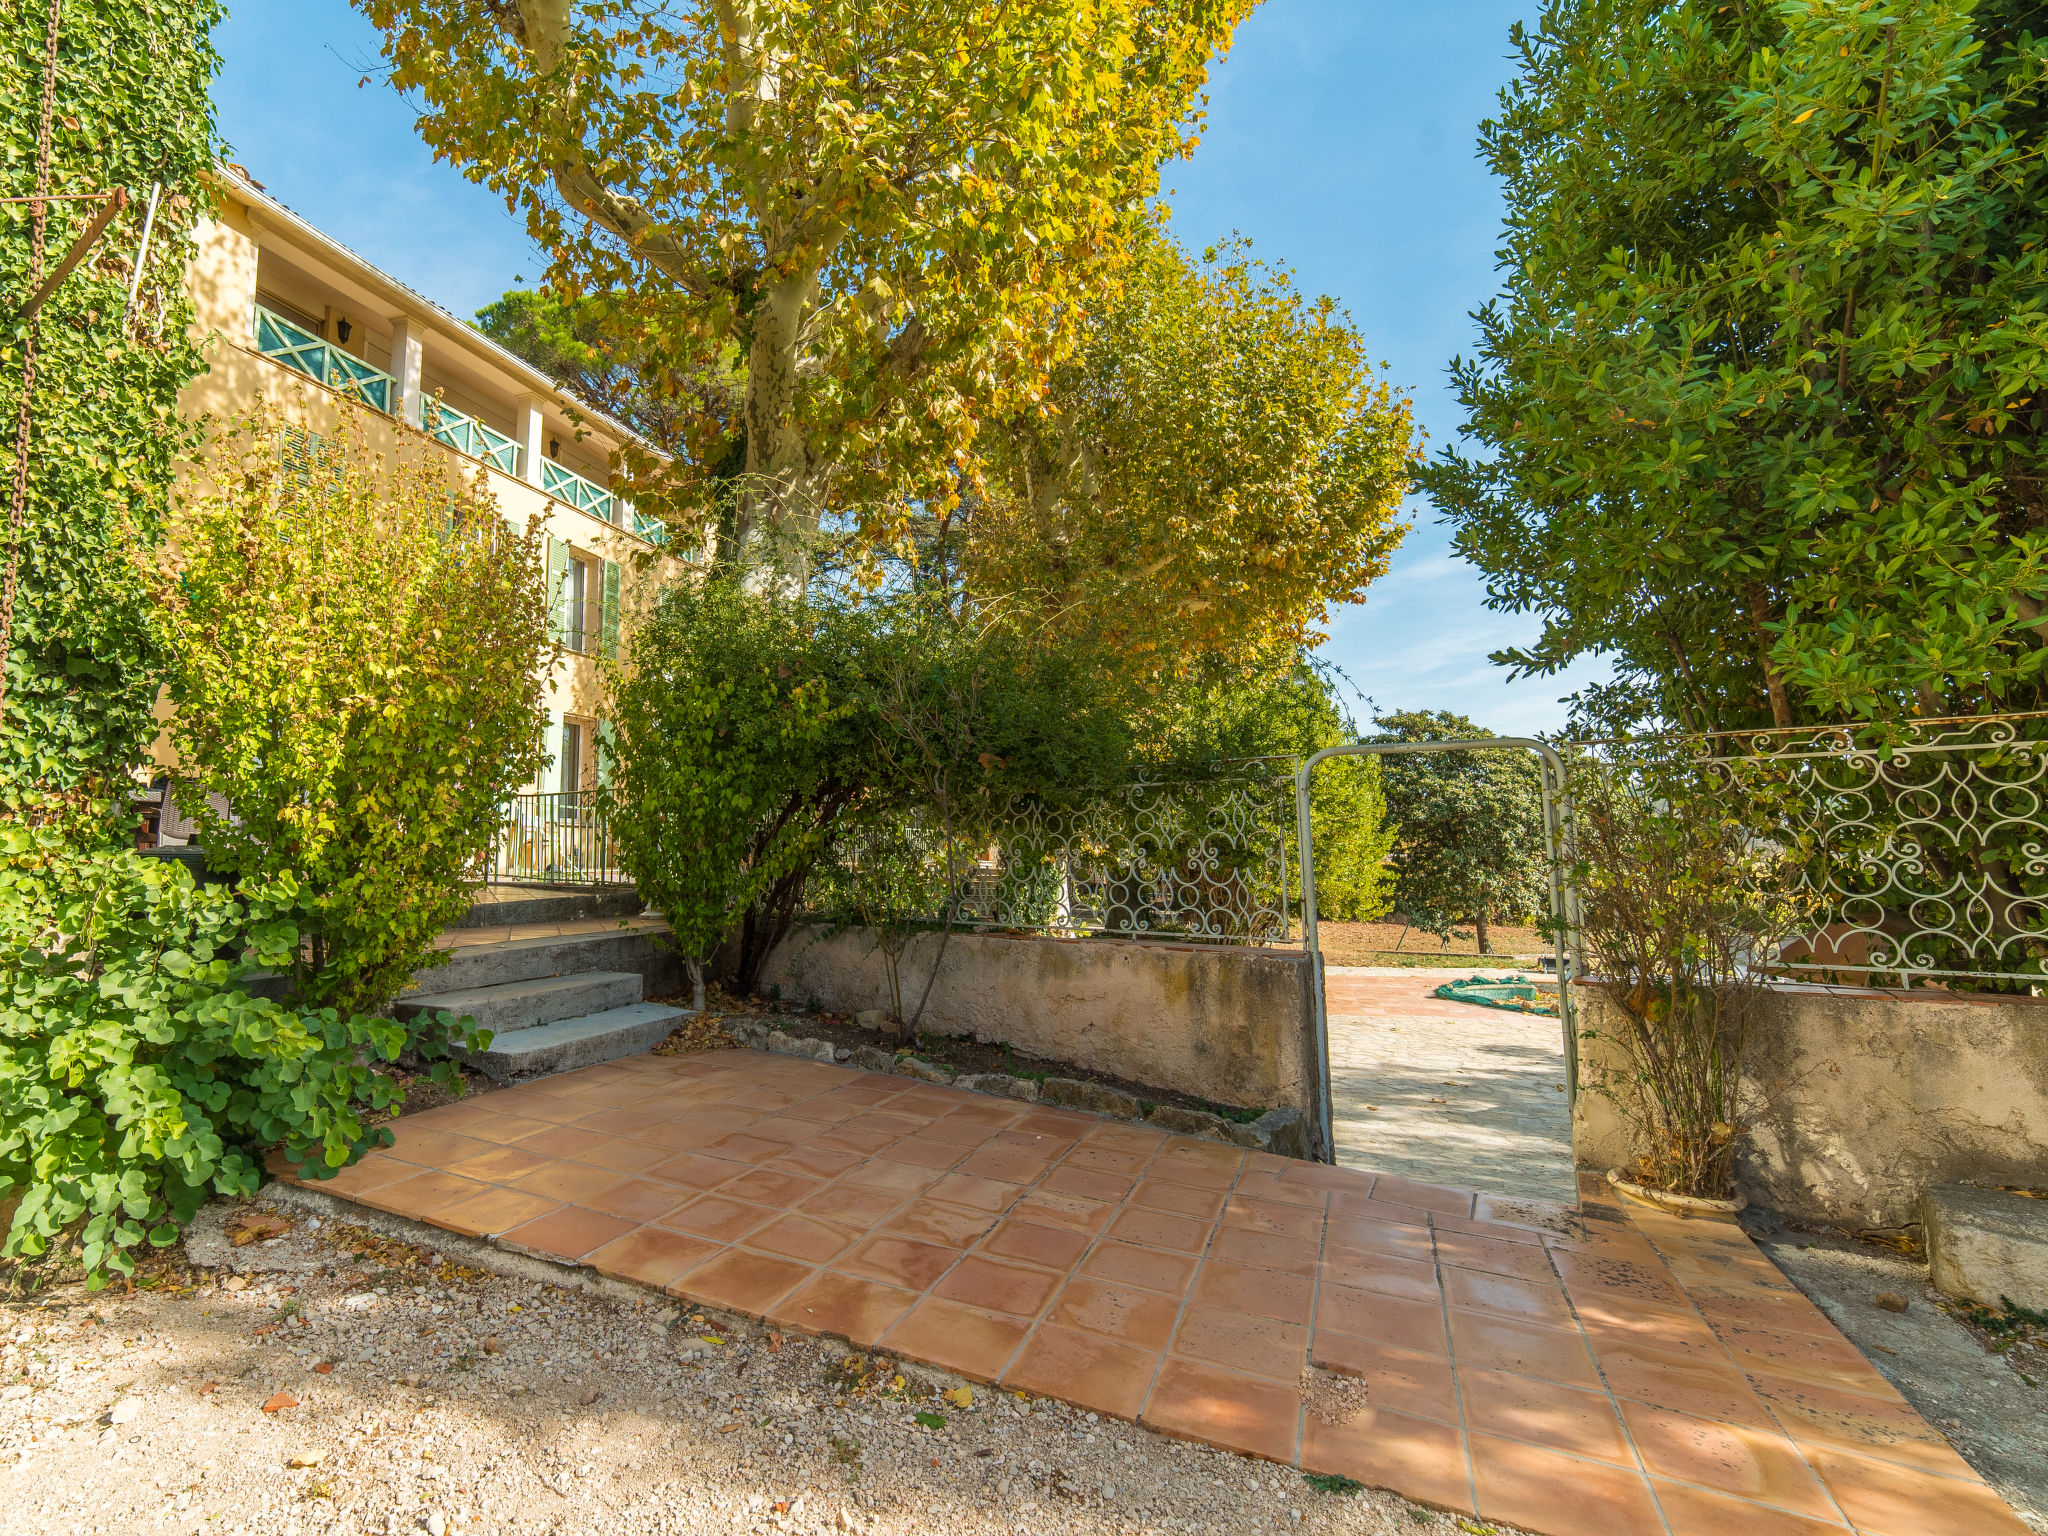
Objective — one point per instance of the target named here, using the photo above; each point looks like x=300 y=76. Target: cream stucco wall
x=223 y=283
x=1856 y=1100
x=1229 y=1025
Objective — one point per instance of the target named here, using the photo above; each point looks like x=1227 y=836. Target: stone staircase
x=553 y=1001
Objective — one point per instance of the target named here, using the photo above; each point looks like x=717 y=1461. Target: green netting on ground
x=1490 y=992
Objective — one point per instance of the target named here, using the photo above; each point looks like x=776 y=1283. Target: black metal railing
x=554 y=839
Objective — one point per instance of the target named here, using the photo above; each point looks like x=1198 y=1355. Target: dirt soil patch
x=955 y=1051
x=341 y=1381
x=1395 y=944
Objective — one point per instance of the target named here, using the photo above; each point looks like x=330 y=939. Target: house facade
x=294 y=316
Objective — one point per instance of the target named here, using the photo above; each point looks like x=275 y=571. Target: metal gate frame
x=1564 y=902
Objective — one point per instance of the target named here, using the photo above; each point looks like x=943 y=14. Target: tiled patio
x=1570 y=1372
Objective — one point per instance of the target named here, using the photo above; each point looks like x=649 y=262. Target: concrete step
x=1987 y=1245
x=502 y=905
x=583 y=1042
x=519 y=1005
x=471 y=966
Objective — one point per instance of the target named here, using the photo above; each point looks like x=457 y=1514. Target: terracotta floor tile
x=882 y=1123
x=504 y=1129
x=1200 y=1402
x=1489 y=1255
x=1158 y=1229
x=1612 y=1322
x=425 y=1195
x=965 y=1134
x=721 y=1219
x=1498 y=1343
x=1884 y=1499
x=767 y=1186
x=1700 y=1512
x=1128 y=1165
x=1179 y=1199
x=1405 y=1380
x=1363 y=1270
x=1772 y=1309
x=1545 y=1490
x=1002 y=1163
x=1257 y=1346
x=1049 y=1247
x=1641 y=1280
x=1429 y=1197
x=1069 y=1211
x=1366 y=1234
x=436 y=1149
x=804 y=1238
x=493 y=1211
x=1095 y=1373
x=1274 y=1219
x=682 y=1135
x=1288 y=1255
x=991 y=1195
x=1420 y=1459
x=1747 y=1463
x=1087 y=1183
x=372 y=1172
x=1398 y=1320
x=845 y=1306
x=693 y=1170
x=903 y=1179
x=761 y=1098
x=621 y=1122
x=1015 y=1289
x=1153 y=1269
x=1256 y=1292
x=1057 y=1122
x=898 y=1261
x=639 y=1199
x=1168 y=1169
x=569 y=1232
x=1885 y=1428
x=1142 y=1140
x=951 y=1225
x=1507 y=1297
x=747 y=1283
x=1364 y=1208
x=977 y=1110
x=977 y=1344
x=923 y=1152
x=746 y=1147
x=1682 y=1384
x=1806 y=1357
x=1145 y=1319
x=789 y=1129
x=862 y=1143
x=1564 y=1418
x=852 y=1205
x=815 y=1161
x=651 y=1256
x=623 y=1156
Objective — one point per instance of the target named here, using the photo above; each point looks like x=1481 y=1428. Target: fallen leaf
x=266 y=1328
x=774 y=1341
x=492 y=1346
x=280 y=1400
x=311 y=1458
x=961 y=1397
x=324 y=1368
x=234 y=1283
x=726 y=1429
x=256 y=1227
x=208 y=1386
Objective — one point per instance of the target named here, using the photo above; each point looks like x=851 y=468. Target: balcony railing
x=278 y=339
x=554 y=839
x=652 y=529
x=568 y=486
x=465 y=434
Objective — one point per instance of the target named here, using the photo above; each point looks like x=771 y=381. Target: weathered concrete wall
x=1230 y=1025
x=1856 y=1100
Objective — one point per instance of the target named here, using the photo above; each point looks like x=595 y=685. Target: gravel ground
x=296 y=1373
x=1991 y=1402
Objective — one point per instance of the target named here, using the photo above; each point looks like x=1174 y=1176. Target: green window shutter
x=558 y=590
x=610 y=632
x=551 y=741
x=607 y=744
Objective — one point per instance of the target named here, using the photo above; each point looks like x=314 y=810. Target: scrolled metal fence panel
x=1924 y=843
x=1201 y=861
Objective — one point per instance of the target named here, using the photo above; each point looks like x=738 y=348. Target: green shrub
x=356 y=645
x=138 y=1074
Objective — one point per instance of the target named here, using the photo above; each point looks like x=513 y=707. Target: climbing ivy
x=131 y=112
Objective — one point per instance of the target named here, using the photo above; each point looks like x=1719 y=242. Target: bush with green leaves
x=131 y=111
x=139 y=1073
x=357 y=646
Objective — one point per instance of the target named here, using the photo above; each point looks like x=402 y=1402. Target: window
x=579 y=634
x=572 y=756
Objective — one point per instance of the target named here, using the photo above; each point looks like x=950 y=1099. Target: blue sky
x=1340 y=139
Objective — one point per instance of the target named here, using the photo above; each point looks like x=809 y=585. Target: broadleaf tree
x=1763 y=401
x=889 y=211
x=1468 y=827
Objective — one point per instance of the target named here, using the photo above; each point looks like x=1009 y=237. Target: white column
x=532 y=439
x=406 y=357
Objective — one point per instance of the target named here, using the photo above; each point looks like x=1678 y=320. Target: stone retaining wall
x=1858 y=1099
x=1230 y=1025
